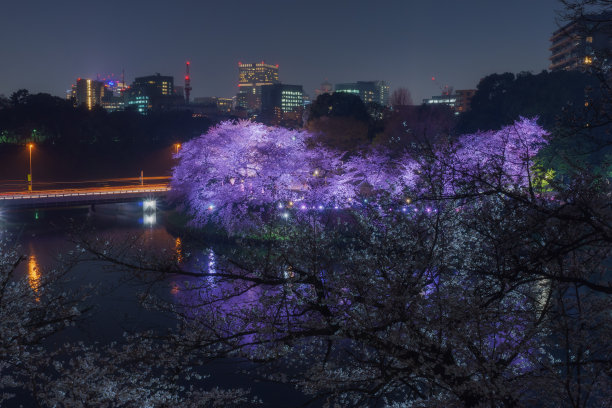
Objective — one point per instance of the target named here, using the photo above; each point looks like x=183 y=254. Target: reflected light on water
x=212 y=263
x=178 y=250
x=149 y=219
x=34 y=274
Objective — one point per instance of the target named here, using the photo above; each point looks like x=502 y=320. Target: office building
x=368 y=91
x=581 y=43
x=151 y=92
x=281 y=102
x=444 y=99
x=225 y=104
x=88 y=92
x=459 y=101
x=221 y=104
x=251 y=78
x=154 y=85
x=464 y=99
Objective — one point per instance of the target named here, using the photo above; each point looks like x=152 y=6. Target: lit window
x=589 y=39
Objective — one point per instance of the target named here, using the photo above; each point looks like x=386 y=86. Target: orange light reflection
x=34 y=274
x=178 y=249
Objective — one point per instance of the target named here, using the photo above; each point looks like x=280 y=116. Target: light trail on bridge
x=82 y=196
x=12 y=186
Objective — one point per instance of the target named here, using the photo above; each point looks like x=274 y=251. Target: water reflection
x=34 y=273
x=149 y=209
x=149 y=219
x=212 y=263
x=191 y=288
x=178 y=250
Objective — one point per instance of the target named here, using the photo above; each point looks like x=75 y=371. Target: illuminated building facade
x=459 y=101
x=282 y=102
x=368 y=91
x=251 y=79
x=155 y=85
x=88 y=92
x=225 y=104
x=448 y=100
x=140 y=103
x=582 y=43
x=221 y=104
x=150 y=93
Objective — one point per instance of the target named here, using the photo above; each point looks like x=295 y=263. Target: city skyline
x=45 y=47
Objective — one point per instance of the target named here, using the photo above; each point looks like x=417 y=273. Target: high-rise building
x=151 y=92
x=281 y=101
x=382 y=93
x=88 y=92
x=368 y=91
x=251 y=79
x=581 y=43
x=155 y=85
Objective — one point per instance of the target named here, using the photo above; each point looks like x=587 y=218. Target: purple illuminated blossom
x=237 y=172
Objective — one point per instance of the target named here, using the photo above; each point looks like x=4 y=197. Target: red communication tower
x=187 y=83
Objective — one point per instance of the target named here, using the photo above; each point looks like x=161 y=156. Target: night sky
x=45 y=45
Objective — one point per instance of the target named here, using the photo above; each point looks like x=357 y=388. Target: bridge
x=81 y=196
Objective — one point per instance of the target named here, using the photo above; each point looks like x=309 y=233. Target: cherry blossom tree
x=237 y=172
x=134 y=371
x=477 y=291
x=30 y=312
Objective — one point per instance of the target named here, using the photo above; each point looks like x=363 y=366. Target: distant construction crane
x=445 y=90
x=187 y=83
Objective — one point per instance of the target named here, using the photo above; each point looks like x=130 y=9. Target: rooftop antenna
x=187 y=83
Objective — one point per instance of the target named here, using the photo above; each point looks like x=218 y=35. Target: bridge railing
x=92 y=191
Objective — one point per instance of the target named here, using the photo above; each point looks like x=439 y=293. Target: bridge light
x=149 y=204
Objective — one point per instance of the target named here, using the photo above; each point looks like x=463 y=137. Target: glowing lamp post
x=30 y=146
x=177 y=146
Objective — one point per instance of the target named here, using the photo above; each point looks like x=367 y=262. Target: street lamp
x=177 y=146
x=30 y=146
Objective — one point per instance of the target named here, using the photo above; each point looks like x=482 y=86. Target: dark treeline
x=77 y=143
x=52 y=121
x=571 y=105
x=568 y=105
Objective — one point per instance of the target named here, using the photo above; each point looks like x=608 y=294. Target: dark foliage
x=50 y=120
x=501 y=98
